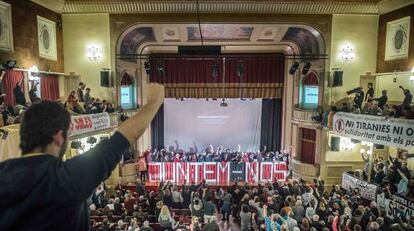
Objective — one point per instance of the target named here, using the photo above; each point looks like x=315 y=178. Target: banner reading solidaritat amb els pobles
x=375 y=129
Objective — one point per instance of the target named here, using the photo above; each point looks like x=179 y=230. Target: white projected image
x=194 y=124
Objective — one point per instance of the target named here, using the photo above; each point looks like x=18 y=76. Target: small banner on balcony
x=367 y=191
x=89 y=123
x=396 y=205
x=375 y=129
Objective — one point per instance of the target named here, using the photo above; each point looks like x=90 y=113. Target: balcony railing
x=305 y=115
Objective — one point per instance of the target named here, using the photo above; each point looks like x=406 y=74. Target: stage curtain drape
x=310 y=79
x=271 y=126
x=307 y=148
x=49 y=87
x=243 y=75
x=157 y=129
x=126 y=80
x=11 y=78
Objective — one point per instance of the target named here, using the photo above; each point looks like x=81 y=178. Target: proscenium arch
x=152 y=43
x=141 y=39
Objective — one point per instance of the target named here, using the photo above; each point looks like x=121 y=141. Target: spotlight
x=160 y=68
x=91 y=140
x=293 y=68
x=147 y=67
x=240 y=70
x=306 y=68
x=75 y=144
x=214 y=70
x=223 y=103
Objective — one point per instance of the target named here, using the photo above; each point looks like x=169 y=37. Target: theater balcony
x=305 y=115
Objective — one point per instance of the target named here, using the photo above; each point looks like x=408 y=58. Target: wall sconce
x=366 y=148
x=94 y=53
x=412 y=75
x=346 y=53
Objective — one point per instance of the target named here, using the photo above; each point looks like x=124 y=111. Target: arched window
x=127 y=92
x=309 y=91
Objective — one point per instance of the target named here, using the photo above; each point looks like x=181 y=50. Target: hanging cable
x=199 y=23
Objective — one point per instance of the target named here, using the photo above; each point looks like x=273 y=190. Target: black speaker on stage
x=105 y=78
x=335 y=143
x=337 y=78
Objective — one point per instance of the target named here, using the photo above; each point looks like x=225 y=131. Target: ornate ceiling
x=226 y=6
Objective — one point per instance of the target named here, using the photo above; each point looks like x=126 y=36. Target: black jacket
x=44 y=193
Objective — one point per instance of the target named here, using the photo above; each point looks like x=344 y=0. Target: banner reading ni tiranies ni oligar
x=375 y=129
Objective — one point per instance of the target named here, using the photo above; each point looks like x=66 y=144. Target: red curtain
x=11 y=78
x=49 y=87
x=255 y=68
x=310 y=79
x=126 y=80
x=307 y=149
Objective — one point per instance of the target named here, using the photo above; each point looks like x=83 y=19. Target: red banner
x=217 y=172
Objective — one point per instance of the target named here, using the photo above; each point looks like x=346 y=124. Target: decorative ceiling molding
x=53 y=5
x=386 y=6
x=283 y=7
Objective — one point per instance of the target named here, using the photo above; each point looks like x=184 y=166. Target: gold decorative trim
x=288 y=7
x=386 y=6
x=53 y=5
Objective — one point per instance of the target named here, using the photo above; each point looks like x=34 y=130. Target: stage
x=153 y=186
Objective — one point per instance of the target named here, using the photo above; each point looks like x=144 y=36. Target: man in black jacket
x=40 y=191
x=382 y=100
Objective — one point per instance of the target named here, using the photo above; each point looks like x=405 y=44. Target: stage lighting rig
x=160 y=68
x=306 y=68
x=214 y=70
x=147 y=67
x=293 y=68
x=240 y=70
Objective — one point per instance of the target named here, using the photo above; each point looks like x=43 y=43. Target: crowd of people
x=215 y=155
x=78 y=102
x=367 y=104
x=81 y=102
x=392 y=175
x=294 y=205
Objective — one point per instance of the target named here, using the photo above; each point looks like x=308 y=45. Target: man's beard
x=63 y=149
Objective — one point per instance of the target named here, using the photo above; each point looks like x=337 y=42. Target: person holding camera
x=408 y=98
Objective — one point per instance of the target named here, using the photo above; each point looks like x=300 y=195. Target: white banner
x=366 y=190
x=375 y=129
x=396 y=206
x=88 y=123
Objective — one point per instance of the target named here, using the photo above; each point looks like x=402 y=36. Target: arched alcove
x=309 y=91
x=127 y=91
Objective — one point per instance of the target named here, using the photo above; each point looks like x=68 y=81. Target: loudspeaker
x=335 y=143
x=105 y=79
x=337 y=78
x=379 y=146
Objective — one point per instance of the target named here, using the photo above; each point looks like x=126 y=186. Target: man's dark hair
x=80 y=83
x=40 y=122
x=88 y=89
x=370 y=84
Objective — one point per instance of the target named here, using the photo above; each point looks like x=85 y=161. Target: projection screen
x=194 y=124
